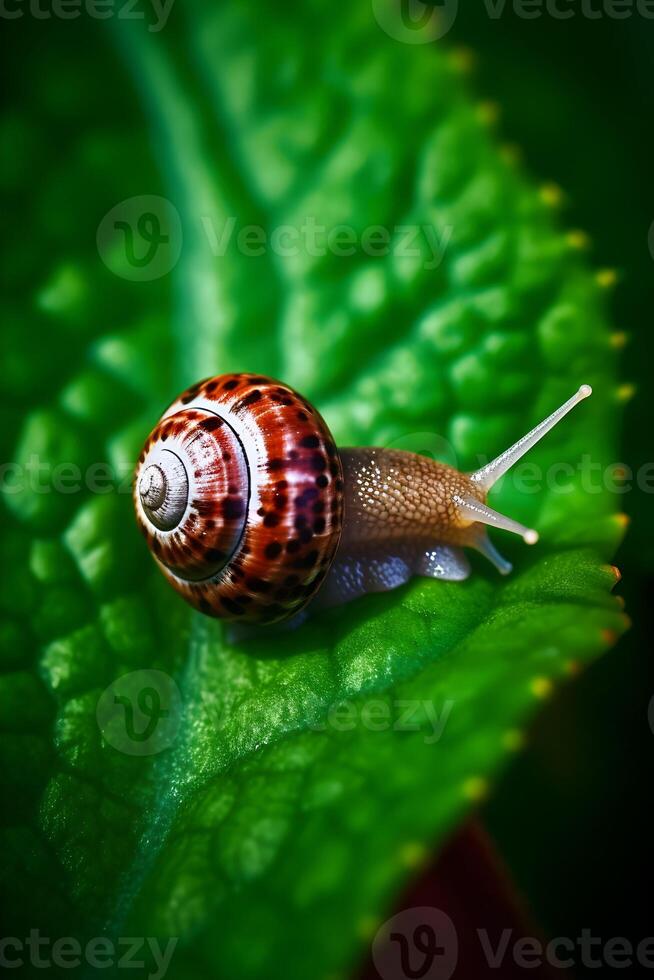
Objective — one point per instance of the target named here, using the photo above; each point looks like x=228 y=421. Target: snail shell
x=239 y=493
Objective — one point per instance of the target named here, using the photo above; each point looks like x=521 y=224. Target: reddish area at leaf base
x=464 y=898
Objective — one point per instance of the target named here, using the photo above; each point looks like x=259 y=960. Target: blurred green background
x=575 y=95
x=81 y=131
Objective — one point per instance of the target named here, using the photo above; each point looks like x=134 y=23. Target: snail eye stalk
x=491 y=473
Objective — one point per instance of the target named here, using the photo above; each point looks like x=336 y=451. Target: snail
x=251 y=511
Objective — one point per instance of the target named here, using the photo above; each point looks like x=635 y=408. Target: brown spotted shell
x=239 y=494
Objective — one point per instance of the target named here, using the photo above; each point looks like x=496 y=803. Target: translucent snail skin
x=252 y=513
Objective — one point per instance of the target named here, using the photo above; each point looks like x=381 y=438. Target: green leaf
x=299 y=778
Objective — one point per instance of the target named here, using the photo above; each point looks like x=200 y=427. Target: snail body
x=252 y=513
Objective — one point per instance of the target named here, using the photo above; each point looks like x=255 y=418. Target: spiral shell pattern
x=239 y=494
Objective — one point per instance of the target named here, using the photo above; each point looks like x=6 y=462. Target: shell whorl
x=192 y=488
x=163 y=489
x=239 y=492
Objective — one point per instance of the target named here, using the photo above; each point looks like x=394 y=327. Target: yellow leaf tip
x=551 y=195
x=625 y=392
x=613 y=570
x=541 y=687
x=577 y=239
x=475 y=788
x=513 y=740
x=367 y=926
x=463 y=60
x=606 y=278
x=511 y=154
x=488 y=112
x=619 y=339
x=413 y=854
